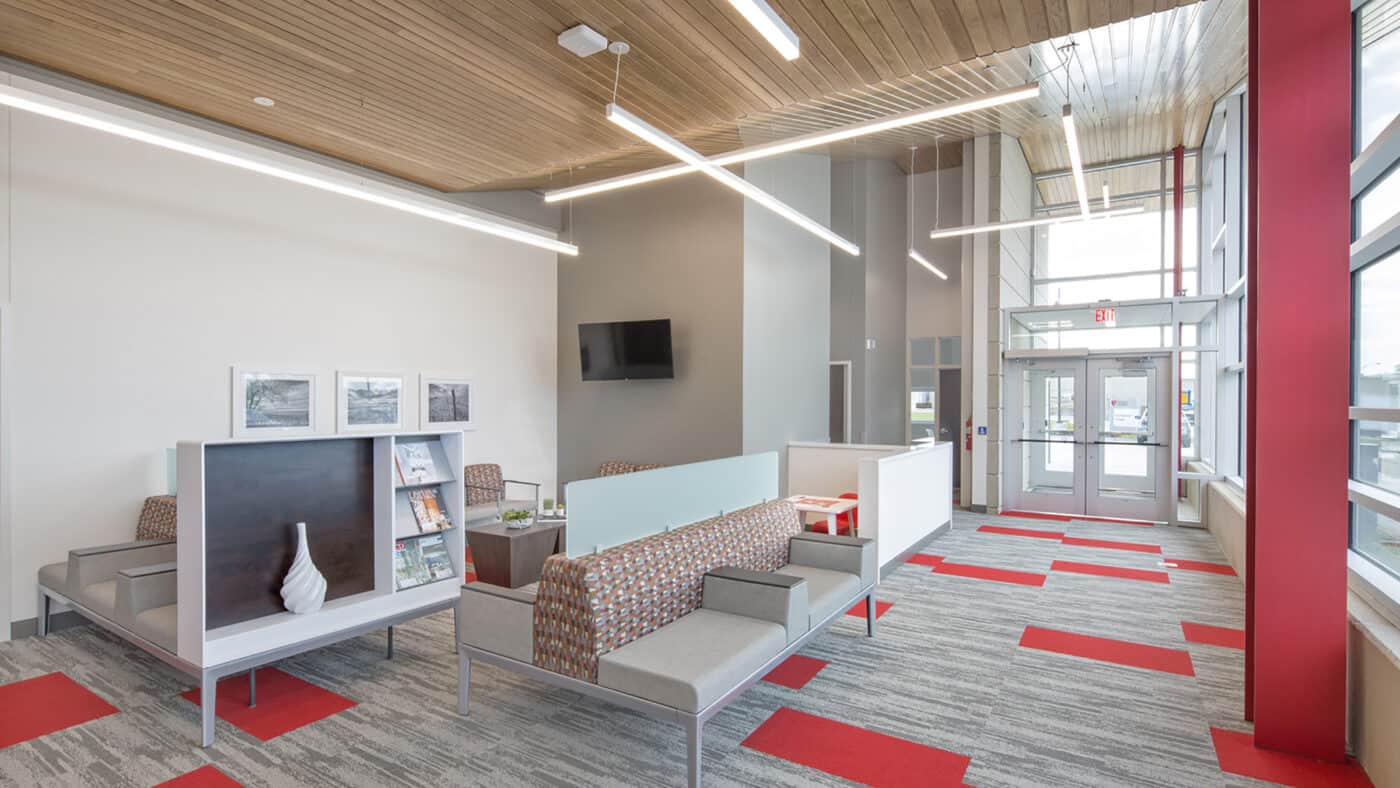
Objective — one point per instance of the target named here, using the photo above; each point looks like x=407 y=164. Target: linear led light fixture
x=804 y=141
x=973 y=229
x=643 y=130
x=772 y=27
x=921 y=260
x=1105 y=197
x=58 y=109
x=1076 y=162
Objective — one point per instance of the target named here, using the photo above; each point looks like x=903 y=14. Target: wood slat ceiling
x=476 y=94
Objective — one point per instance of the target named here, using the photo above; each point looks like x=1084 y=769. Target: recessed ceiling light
x=263 y=101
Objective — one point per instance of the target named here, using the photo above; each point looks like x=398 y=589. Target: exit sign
x=1106 y=316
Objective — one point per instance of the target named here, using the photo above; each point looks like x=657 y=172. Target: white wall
x=935 y=305
x=786 y=323
x=140 y=275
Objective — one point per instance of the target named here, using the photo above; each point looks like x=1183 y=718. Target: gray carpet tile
x=946 y=670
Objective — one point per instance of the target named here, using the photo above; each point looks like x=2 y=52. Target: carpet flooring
x=947 y=673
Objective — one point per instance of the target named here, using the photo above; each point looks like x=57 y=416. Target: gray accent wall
x=674 y=250
x=868 y=294
x=787 y=287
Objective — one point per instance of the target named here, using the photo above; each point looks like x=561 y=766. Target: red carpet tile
x=285 y=703
x=1213 y=636
x=881 y=608
x=1200 y=566
x=1059 y=518
x=50 y=702
x=990 y=573
x=856 y=754
x=204 y=777
x=1150 y=575
x=1119 y=652
x=1237 y=754
x=924 y=559
x=1108 y=544
x=797 y=670
x=1034 y=534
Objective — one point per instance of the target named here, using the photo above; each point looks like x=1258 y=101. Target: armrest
x=853 y=554
x=143 y=588
x=101 y=564
x=496 y=619
x=781 y=599
x=536 y=485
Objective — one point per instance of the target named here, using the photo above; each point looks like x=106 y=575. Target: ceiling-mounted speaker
x=583 y=40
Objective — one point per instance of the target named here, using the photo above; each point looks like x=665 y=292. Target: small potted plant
x=548 y=507
x=518 y=518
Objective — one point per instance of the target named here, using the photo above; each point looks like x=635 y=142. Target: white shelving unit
x=236 y=647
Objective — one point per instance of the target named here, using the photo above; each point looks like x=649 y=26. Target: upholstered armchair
x=486 y=493
x=618 y=467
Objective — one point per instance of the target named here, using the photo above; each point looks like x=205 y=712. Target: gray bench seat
x=827 y=590
x=693 y=661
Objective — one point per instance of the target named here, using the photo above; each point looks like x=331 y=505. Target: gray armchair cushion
x=692 y=661
x=100 y=598
x=499 y=620
x=779 y=598
x=827 y=590
x=853 y=554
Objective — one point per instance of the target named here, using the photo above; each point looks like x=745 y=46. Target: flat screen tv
x=631 y=350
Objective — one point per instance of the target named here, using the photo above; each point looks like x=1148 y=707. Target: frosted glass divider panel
x=613 y=510
x=905 y=497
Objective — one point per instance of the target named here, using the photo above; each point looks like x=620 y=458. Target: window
x=1121 y=258
x=1375 y=273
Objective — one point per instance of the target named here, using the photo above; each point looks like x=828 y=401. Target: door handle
x=1126 y=443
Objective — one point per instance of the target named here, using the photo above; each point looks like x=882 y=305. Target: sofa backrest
x=157 y=520
x=484 y=483
x=593 y=604
x=618 y=467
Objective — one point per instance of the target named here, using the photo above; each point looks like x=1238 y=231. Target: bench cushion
x=688 y=664
x=158 y=625
x=100 y=598
x=55 y=577
x=827 y=590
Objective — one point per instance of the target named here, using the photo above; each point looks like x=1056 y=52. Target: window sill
x=1373 y=604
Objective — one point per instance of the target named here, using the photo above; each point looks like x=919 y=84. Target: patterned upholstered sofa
x=131 y=584
x=677 y=624
x=618 y=467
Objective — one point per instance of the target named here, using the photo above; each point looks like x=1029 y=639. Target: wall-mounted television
x=630 y=350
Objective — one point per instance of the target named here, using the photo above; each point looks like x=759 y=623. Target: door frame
x=846 y=418
x=1083 y=364
x=6 y=499
x=1097 y=505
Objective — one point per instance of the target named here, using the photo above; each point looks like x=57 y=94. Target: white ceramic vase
x=304 y=589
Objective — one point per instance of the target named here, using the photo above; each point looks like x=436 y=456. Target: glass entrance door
x=1089 y=436
x=1046 y=442
x=1128 y=457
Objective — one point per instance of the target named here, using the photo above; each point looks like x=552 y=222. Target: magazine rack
x=239 y=501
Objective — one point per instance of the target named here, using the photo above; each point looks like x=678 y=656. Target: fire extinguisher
x=967 y=441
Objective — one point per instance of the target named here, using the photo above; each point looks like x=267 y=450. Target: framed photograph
x=445 y=404
x=273 y=404
x=368 y=401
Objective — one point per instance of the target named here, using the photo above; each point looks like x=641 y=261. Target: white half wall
x=830 y=469
x=905 y=497
x=140 y=275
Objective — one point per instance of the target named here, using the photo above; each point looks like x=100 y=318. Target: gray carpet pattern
x=945 y=670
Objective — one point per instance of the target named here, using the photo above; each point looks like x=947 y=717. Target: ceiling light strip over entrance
x=645 y=131
x=804 y=141
x=973 y=229
x=58 y=109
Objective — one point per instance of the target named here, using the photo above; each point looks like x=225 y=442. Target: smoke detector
x=583 y=40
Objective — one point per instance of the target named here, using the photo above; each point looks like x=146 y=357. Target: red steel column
x=1297 y=372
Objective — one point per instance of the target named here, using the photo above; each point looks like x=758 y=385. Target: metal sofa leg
x=41 y=622
x=252 y=687
x=389 y=649
x=208 y=694
x=694 y=728
x=464 y=683
x=870 y=614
